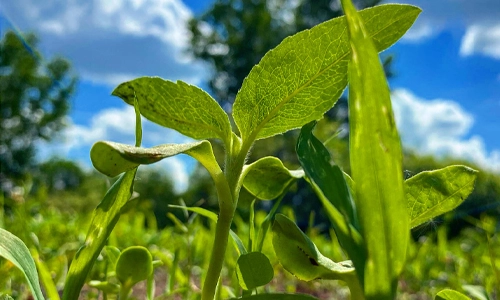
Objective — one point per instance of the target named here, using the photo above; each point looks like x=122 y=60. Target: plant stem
x=355 y=288
x=218 y=254
x=228 y=186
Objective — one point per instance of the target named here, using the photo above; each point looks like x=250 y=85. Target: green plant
x=292 y=86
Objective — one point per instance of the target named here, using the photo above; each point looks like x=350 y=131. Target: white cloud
x=440 y=127
x=481 y=39
x=479 y=19
x=118 y=125
x=112 y=41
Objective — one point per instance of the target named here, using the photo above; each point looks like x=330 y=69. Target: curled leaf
x=267 y=178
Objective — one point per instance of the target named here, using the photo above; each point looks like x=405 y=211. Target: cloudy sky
x=446 y=91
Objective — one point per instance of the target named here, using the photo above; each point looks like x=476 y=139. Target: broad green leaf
x=448 y=294
x=315 y=159
x=267 y=178
x=302 y=78
x=112 y=158
x=376 y=164
x=331 y=187
x=300 y=256
x=13 y=249
x=432 y=193
x=134 y=264
x=177 y=105
x=278 y=297
x=253 y=270
x=103 y=221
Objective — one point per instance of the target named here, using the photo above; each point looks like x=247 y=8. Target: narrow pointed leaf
x=278 y=297
x=433 y=193
x=254 y=269
x=448 y=294
x=333 y=188
x=112 y=158
x=300 y=256
x=316 y=161
x=376 y=164
x=199 y=210
x=303 y=77
x=267 y=178
x=13 y=249
x=238 y=243
x=177 y=105
x=103 y=221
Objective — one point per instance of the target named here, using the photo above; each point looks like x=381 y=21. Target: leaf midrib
x=283 y=102
x=444 y=201
x=205 y=126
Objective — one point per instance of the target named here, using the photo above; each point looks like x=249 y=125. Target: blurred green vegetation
x=55 y=232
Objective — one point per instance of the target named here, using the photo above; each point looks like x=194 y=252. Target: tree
x=34 y=98
x=235 y=34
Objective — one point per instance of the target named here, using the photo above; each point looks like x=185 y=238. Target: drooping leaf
x=376 y=164
x=316 y=161
x=112 y=158
x=177 y=105
x=448 y=294
x=253 y=270
x=134 y=264
x=432 y=193
x=103 y=221
x=278 y=297
x=300 y=256
x=13 y=249
x=267 y=178
x=334 y=191
x=302 y=78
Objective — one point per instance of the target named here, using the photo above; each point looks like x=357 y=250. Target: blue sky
x=446 y=93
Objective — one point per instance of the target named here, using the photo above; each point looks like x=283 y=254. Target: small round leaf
x=253 y=270
x=134 y=264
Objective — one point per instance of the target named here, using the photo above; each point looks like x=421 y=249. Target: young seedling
x=292 y=86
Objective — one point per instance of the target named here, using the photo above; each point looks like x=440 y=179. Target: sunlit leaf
x=448 y=294
x=13 y=249
x=112 y=158
x=316 y=161
x=278 y=297
x=134 y=264
x=300 y=256
x=253 y=270
x=103 y=221
x=303 y=77
x=267 y=178
x=177 y=105
x=376 y=161
x=432 y=193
